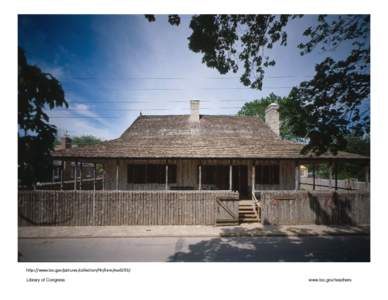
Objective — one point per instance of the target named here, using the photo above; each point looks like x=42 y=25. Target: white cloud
x=83 y=110
x=78 y=127
x=81 y=119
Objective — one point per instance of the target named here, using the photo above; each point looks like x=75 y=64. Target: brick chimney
x=194 y=115
x=272 y=117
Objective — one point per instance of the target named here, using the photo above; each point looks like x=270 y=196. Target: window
x=156 y=174
x=136 y=174
x=151 y=173
x=171 y=173
x=216 y=175
x=267 y=174
x=208 y=174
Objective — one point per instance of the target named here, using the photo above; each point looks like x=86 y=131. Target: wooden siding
x=187 y=173
x=320 y=207
x=86 y=208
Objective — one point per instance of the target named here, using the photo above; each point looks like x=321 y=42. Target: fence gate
x=226 y=211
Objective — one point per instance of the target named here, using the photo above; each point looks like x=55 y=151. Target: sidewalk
x=186 y=231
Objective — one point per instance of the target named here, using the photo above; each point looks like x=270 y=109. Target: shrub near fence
x=88 y=208
x=319 y=207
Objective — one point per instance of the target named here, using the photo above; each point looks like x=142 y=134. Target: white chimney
x=194 y=115
x=272 y=117
x=65 y=142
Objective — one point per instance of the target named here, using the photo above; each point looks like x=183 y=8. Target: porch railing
x=257 y=205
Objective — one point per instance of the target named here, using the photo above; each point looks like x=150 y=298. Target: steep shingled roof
x=175 y=136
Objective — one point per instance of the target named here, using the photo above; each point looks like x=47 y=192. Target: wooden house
x=200 y=152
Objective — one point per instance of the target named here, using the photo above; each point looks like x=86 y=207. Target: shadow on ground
x=302 y=248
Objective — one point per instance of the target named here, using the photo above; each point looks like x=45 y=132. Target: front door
x=240 y=180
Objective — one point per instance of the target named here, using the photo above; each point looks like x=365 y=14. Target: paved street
x=197 y=249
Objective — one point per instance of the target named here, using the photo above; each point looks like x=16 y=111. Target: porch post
x=80 y=175
x=253 y=176
x=330 y=175
x=117 y=175
x=313 y=176
x=75 y=175
x=166 y=176
x=103 y=177
x=94 y=193
x=230 y=177
x=367 y=177
x=94 y=176
x=62 y=172
x=297 y=176
x=199 y=176
x=335 y=176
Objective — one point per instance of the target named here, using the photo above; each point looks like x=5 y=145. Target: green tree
x=37 y=91
x=85 y=140
x=257 y=108
x=325 y=109
x=357 y=144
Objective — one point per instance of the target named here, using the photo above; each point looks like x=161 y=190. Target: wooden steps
x=247 y=212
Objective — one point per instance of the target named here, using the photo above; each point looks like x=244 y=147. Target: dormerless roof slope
x=175 y=136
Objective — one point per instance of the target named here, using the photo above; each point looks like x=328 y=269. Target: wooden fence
x=88 y=208
x=319 y=207
x=227 y=211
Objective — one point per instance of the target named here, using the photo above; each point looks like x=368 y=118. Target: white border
x=191 y=281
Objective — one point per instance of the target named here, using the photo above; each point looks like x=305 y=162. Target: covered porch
x=246 y=176
x=180 y=174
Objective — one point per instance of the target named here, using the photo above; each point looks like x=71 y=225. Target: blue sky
x=114 y=67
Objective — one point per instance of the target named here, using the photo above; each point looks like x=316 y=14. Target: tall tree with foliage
x=37 y=91
x=324 y=109
x=257 y=108
x=327 y=108
x=357 y=144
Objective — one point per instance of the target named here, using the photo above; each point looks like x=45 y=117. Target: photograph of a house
x=183 y=127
